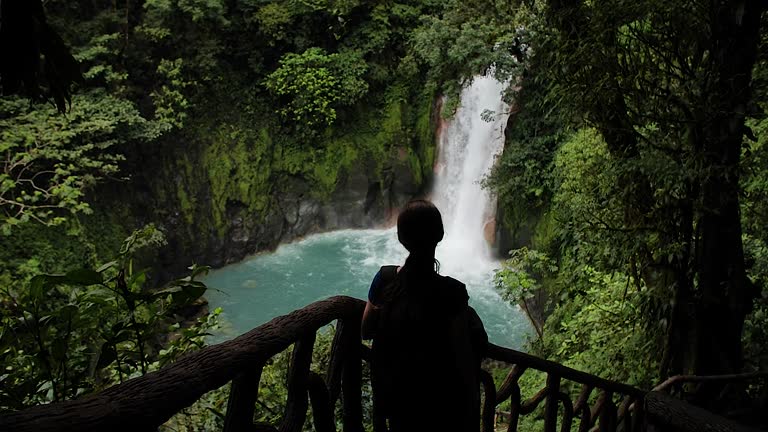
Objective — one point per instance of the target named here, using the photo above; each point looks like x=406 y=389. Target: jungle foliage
x=68 y=334
x=188 y=114
x=635 y=161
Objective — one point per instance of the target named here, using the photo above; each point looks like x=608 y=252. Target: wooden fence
x=145 y=403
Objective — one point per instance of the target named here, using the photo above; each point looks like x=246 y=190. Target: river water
x=267 y=285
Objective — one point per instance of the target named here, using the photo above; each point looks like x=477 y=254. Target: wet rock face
x=346 y=206
x=362 y=199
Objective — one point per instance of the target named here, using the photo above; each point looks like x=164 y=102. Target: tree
x=25 y=36
x=49 y=160
x=668 y=87
x=314 y=84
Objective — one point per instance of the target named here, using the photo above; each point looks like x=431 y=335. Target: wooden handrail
x=146 y=402
x=682 y=379
x=675 y=415
x=511 y=356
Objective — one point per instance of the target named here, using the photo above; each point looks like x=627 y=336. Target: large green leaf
x=84 y=277
x=182 y=292
x=107 y=356
x=40 y=284
x=198 y=270
x=106 y=266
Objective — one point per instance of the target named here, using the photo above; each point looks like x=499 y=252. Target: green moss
x=544 y=231
x=415 y=164
x=406 y=123
x=242 y=158
x=374 y=137
x=392 y=130
x=382 y=129
x=187 y=205
x=328 y=163
x=428 y=159
x=425 y=144
x=237 y=164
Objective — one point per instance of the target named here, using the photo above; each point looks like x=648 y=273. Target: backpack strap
x=388 y=274
x=381 y=355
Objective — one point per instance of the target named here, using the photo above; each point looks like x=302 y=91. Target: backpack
x=431 y=342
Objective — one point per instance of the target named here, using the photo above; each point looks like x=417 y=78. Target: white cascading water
x=468 y=148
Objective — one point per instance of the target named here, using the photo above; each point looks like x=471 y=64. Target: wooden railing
x=145 y=403
x=604 y=411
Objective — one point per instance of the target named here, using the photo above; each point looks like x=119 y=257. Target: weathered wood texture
x=511 y=356
x=242 y=398
x=550 y=407
x=298 y=385
x=322 y=410
x=678 y=380
x=666 y=413
x=143 y=403
x=556 y=401
x=489 y=401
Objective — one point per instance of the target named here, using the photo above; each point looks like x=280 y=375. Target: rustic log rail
x=145 y=403
x=604 y=412
x=673 y=383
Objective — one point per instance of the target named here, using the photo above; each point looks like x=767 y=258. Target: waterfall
x=468 y=147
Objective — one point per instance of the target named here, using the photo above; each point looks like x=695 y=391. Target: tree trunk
x=713 y=298
x=724 y=293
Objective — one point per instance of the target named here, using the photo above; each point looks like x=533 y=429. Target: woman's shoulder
x=454 y=287
x=383 y=277
x=447 y=280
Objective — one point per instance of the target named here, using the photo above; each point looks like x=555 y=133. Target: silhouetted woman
x=427 y=341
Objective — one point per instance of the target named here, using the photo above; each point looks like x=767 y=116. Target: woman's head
x=419 y=229
x=419 y=226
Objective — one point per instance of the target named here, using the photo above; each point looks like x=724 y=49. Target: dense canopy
x=632 y=187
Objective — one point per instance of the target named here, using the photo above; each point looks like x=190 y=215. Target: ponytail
x=418 y=270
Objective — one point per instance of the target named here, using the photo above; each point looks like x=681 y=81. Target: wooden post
x=638 y=421
x=625 y=416
x=336 y=363
x=567 y=412
x=608 y=413
x=242 y=399
x=352 y=377
x=322 y=410
x=582 y=405
x=489 y=403
x=505 y=389
x=550 y=405
x=298 y=383
x=514 y=407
